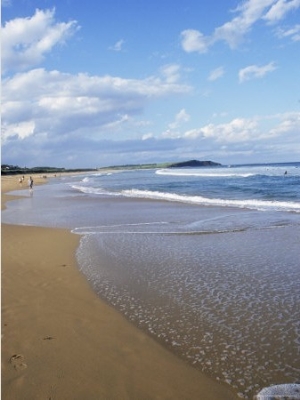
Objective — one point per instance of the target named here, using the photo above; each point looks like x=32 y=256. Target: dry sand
x=60 y=341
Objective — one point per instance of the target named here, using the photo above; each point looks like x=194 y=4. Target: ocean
x=205 y=260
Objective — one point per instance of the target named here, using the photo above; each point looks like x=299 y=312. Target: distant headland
x=194 y=164
x=181 y=164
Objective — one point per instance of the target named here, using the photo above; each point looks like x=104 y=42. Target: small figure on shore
x=30 y=183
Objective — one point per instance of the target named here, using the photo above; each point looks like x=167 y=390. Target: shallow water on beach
x=227 y=303
x=217 y=285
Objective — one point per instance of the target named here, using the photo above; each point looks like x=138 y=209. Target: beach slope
x=60 y=341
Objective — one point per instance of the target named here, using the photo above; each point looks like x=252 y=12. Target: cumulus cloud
x=67 y=114
x=289 y=123
x=20 y=129
x=174 y=128
x=81 y=117
x=194 y=41
x=244 y=130
x=254 y=71
x=233 y=32
x=237 y=130
x=272 y=136
x=61 y=102
x=25 y=41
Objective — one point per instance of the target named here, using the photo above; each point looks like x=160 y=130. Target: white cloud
x=272 y=136
x=171 y=73
x=193 y=40
x=22 y=130
x=254 y=71
x=280 y=9
x=232 y=32
x=147 y=136
x=237 y=130
x=50 y=115
x=25 y=41
x=61 y=103
x=272 y=130
x=289 y=124
x=118 y=46
x=181 y=117
x=173 y=130
x=216 y=74
x=293 y=33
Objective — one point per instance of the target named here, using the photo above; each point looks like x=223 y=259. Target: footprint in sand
x=48 y=338
x=17 y=361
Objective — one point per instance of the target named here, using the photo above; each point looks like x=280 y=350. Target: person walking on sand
x=30 y=183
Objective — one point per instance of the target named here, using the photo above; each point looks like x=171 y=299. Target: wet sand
x=60 y=341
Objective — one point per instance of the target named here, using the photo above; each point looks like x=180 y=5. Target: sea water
x=205 y=260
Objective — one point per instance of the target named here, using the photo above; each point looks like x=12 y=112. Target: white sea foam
x=251 y=204
x=285 y=391
x=105 y=173
x=202 y=173
x=227 y=172
x=93 y=190
x=88 y=230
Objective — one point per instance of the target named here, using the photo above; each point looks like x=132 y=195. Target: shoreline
x=60 y=340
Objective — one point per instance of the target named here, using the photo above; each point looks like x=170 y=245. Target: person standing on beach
x=30 y=183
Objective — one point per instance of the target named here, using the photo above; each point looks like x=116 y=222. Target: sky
x=97 y=83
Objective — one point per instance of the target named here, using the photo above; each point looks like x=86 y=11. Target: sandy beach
x=60 y=341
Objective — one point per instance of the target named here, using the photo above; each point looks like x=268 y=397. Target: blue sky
x=97 y=83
